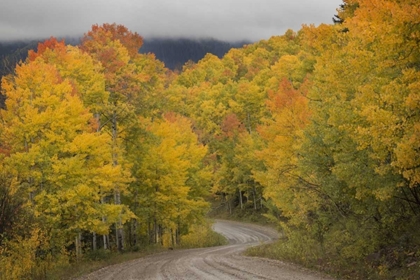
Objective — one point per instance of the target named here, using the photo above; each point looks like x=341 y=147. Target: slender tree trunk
x=119 y=231
x=249 y=124
x=134 y=227
x=227 y=203
x=161 y=235
x=104 y=237
x=155 y=231
x=94 y=241
x=172 y=238
x=177 y=232
x=78 y=245
x=149 y=231
x=240 y=199
x=135 y=236
x=254 y=197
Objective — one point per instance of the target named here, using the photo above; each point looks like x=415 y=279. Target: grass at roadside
x=312 y=256
x=393 y=263
x=202 y=236
x=284 y=250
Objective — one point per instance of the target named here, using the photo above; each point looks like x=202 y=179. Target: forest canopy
x=102 y=147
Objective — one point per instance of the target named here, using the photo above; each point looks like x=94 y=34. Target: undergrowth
x=202 y=236
x=308 y=253
x=300 y=247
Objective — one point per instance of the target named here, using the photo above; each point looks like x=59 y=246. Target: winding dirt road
x=224 y=262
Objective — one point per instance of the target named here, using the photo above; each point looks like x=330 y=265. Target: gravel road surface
x=216 y=263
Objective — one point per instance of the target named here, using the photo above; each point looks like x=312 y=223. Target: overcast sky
x=220 y=19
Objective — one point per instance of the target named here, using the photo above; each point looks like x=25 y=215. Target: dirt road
x=224 y=262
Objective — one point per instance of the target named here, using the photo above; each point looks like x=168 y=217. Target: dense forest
x=103 y=148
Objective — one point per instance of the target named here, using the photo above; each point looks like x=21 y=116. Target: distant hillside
x=175 y=52
x=12 y=53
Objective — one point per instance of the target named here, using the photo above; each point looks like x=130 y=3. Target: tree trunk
x=149 y=231
x=177 y=236
x=229 y=205
x=254 y=197
x=172 y=238
x=119 y=231
x=94 y=241
x=240 y=199
x=134 y=229
x=249 y=124
x=156 y=232
x=78 y=245
x=104 y=237
x=161 y=234
x=177 y=232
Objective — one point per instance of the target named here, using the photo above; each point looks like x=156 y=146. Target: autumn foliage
x=103 y=148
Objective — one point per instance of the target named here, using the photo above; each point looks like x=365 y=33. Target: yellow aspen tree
x=61 y=160
x=283 y=134
x=114 y=46
x=172 y=177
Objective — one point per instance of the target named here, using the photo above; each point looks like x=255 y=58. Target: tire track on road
x=216 y=263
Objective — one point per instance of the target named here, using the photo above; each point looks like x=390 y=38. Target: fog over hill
x=226 y=20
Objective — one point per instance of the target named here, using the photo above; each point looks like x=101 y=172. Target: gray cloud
x=221 y=19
